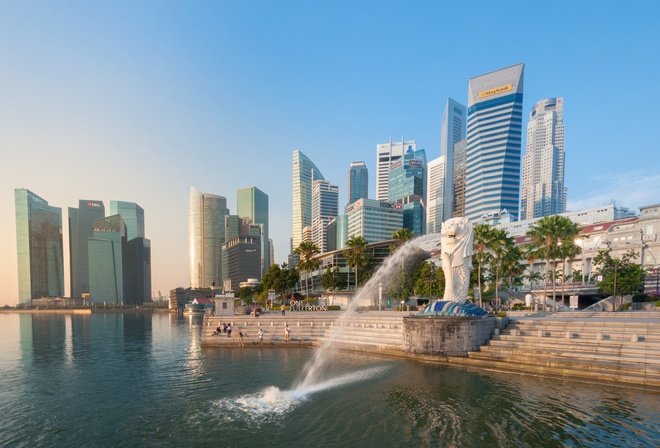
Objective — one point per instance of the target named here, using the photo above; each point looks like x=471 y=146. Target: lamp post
x=616 y=263
x=380 y=295
x=580 y=242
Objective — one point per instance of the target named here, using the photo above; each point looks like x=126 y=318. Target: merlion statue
x=456 y=254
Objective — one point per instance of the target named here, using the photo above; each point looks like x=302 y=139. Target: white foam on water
x=273 y=402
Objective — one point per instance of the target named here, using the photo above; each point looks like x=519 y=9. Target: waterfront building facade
x=358 y=182
x=253 y=203
x=543 y=191
x=454 y=121
x=374 y=220
x=39 y=247
x=81 y=229
x=206 y=235
x=304 y=173
x=494 y=135
x=386 y=154
x=325 y=207
x=458 y=206
x=107 y=248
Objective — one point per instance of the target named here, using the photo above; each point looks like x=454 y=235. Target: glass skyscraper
x=39 y=247
x=253 y=203
x=386 y=154
x=543 y=191
x=358 y=182
x=454 y=122
x=206 y=235
x=325 y=207
x=407 y=186
x=81 y=225
x=106 y=250
x=494 y=133
x=304 y=173
x=133 y=216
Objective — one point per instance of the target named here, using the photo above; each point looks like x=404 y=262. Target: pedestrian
x=229 y=329
x=283 y=310
x=287 y=332
x=261 y=336
x=240 y=338
x=218 y=330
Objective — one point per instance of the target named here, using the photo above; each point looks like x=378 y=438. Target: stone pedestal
x=445 y=336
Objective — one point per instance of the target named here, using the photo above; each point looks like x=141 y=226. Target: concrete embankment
x=621 y=348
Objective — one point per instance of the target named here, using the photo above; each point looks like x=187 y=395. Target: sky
x=140 y=100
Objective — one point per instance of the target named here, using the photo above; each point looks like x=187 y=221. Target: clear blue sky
x=139 y=100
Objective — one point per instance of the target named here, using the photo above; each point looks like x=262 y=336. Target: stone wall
x=445 y=336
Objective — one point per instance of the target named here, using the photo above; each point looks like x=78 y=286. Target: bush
x=499 y=314
x=641 y=298
x=334 y=308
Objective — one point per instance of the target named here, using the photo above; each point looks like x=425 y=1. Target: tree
x=307 y=251
x=401 y=237
x=505 y=254
x=482 y=244
x=620 y=275
x=431 y=280
x=333 y=280
x=280 y=279
x=357 y=255
x=548 y=235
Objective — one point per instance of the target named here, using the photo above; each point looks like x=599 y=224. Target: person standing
x=229 y=329
x=240 y=338
x=283 y=309
x=261 y=336
x=287 y=332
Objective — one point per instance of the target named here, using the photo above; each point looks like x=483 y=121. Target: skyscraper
x=458 y=207
x=407 y=186
x=543 y=191
x=206 y=234
x=358 y=182
x=325 y=207
x=304 y=173
x=133 y=216
x=39 y=247
x=106 y=249
x=253 y=203
x=386 y=154
x=454 y=121
x=494 y=131
x=436 y=194
x=81 y=229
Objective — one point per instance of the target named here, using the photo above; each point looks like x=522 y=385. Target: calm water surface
x=141 y=380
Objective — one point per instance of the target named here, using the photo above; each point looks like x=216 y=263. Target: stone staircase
x=622 y=347
x=373 y=331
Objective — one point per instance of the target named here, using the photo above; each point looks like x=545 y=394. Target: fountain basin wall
x=445 y=336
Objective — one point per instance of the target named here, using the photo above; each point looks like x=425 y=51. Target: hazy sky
x=139 y=100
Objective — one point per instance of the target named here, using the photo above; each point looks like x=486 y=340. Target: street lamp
x=380 y=295
x=580 y=242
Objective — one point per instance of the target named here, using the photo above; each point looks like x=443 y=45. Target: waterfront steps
x=622 y=347
x=378 y=331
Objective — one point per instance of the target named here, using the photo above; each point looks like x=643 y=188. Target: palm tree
x=307 y=251
x=401 y=237
x=356 y=254
x=502 y=247
x=482 y=234
x=547 y=233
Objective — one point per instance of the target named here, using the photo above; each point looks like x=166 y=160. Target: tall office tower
x=253 y=203
x=543 y=191
x=358 y=182
x=407 y=186
x=453 y=131
x=374 y=220
x=492 y=167
x=304 y=173
x=133 y=216
x=458 y=207
x=386 y=154
x=81 y=229
x=206 y=234
x=437 y=192
x=325 y=207
x=241 y=253
x=39 y=247
x=107 y=248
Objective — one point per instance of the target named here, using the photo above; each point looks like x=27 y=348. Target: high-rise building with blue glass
x=81 y=229
x=494 y=135
x=39 y=247
x=253 y=203
x=407 y=186
x=358 y=182
x=106 y=253
x=133 y=216
x=304 y=173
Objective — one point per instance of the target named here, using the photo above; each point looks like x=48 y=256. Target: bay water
x=142 y=380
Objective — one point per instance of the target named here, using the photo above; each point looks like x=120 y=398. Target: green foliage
x=620 y=274
x=307 y=251
x=334 y=308
x=332 y=279
x=358 y=256
x=280 y=279
x=401 y=236
x=429 y=279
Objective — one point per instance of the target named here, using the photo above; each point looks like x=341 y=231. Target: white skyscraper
x=454 y=122
x=437 y=191
x=543 y=191
x=386 y=154
x=206 y=235
x=304 y=173
x=325 y=207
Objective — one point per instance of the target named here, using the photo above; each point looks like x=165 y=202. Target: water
x=141 y=380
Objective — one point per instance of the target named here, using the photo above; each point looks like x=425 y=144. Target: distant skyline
x=139 y=101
